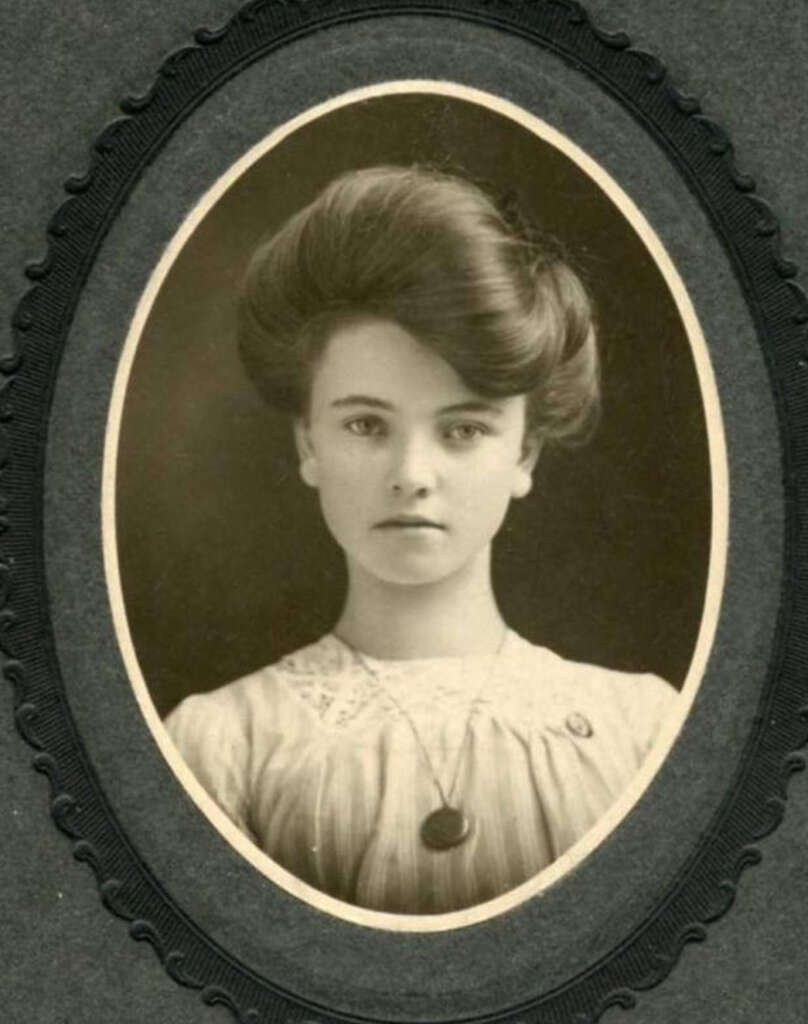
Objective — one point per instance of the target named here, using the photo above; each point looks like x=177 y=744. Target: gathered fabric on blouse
x=327 y=761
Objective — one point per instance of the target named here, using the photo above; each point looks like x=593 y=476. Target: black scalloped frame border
x=749 y=231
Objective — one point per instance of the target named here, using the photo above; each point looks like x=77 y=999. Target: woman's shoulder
x=277 y=689
x=581 y=678
x=631 y=704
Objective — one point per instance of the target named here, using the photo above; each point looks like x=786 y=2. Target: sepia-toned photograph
x=413 y=513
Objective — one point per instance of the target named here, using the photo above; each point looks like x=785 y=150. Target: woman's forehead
x=380 y=362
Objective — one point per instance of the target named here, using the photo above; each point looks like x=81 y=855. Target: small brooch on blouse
x=578 y=724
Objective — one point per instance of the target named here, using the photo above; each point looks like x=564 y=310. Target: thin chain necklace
x=448 y=825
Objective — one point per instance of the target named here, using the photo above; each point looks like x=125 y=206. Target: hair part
x=433 y=253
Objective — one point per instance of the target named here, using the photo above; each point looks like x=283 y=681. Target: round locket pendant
x=445 y=828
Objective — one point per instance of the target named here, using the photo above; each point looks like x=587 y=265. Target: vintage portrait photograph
x=414 y=505
x=402 y=464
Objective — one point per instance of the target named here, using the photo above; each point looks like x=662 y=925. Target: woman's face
x=414 y=471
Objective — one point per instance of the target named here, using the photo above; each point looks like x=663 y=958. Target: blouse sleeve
x=211 y=732
x=646 y=710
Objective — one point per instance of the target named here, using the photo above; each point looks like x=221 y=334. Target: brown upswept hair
x=433 y=253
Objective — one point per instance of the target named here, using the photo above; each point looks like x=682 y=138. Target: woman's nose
x=414 y=468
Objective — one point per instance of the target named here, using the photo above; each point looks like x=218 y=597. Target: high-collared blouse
x=330 y=760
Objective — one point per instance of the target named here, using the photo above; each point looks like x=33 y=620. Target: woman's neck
x=453 y=616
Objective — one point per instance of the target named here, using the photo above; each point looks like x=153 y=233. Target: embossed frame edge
x=750 y=810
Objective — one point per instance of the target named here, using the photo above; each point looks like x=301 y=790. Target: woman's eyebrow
x=475 y=405
x=350 y=400
x=472 y=405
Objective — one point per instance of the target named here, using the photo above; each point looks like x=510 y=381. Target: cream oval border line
x=718 y=546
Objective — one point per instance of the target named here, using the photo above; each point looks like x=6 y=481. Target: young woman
x=421 y=757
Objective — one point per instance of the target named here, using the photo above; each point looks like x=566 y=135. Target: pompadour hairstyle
x=433 y=253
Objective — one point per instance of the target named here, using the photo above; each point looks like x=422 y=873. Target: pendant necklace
x=449 y=825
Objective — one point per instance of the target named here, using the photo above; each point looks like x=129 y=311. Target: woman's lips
x=409 y=523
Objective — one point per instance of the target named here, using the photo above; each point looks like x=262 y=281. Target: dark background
x=606 y=559
x=65 y=959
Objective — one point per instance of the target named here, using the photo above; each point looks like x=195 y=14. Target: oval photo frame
x=74 y=705
x=176 y=381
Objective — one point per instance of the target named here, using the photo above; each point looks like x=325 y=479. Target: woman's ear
x=523 y=476
x=305 y=452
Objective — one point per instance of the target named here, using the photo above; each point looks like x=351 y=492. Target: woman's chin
x=403 y=578
x=421 y=571
x=409 y=572
x=428 y=562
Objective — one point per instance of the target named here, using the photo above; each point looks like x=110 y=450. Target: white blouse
x=330 y=761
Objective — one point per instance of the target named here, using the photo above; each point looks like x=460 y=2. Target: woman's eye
x=366 y=426
x=466 y=431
